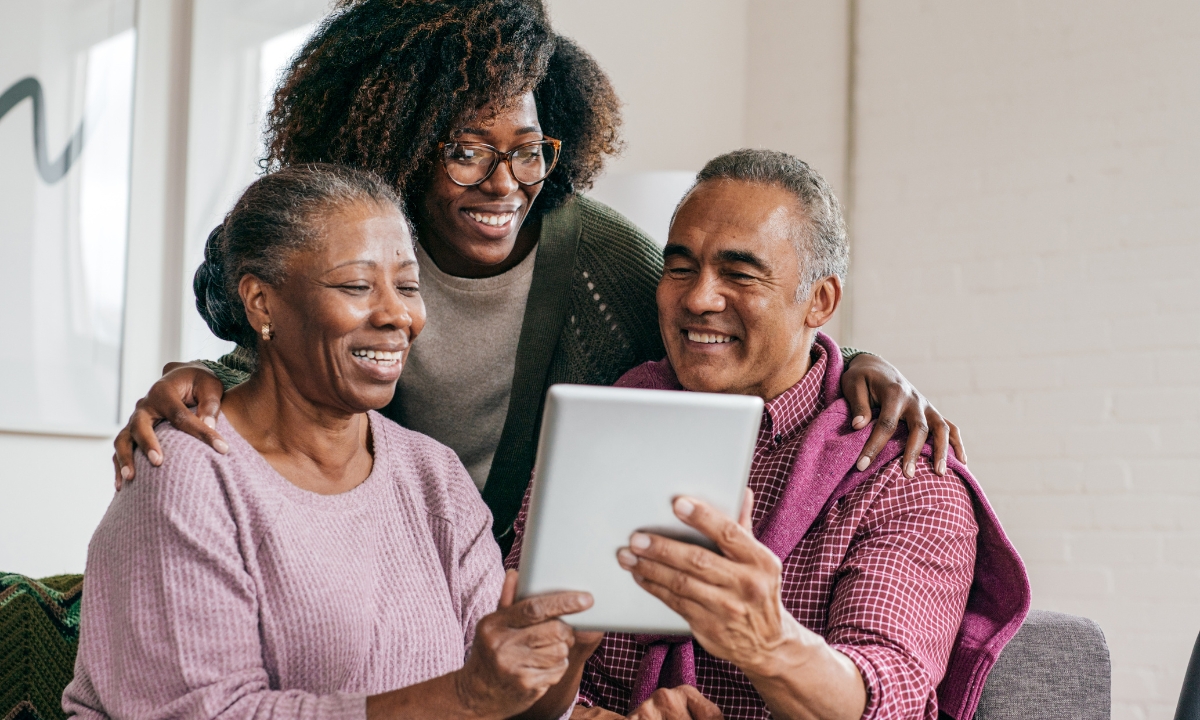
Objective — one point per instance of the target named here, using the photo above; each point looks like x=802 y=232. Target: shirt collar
x=788 y=414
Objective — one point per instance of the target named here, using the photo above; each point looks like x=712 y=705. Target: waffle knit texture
x=590 y=317
x=217 y=587
x=39 y=631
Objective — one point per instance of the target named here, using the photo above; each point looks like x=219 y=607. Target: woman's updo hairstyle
x=279 y=214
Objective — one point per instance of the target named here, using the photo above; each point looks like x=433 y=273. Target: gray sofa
x=1056 y=668
x=1189 y=696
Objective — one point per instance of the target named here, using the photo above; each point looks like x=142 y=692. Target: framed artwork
x=66 y=115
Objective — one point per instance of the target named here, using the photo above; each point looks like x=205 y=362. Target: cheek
x=416 y=311
x=764 y=321
x=441 y=198
x=531 y=194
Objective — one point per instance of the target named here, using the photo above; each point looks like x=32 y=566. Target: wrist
x=791 y=651
x=472 y=697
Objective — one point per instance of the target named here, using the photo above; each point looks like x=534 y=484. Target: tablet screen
x=610 y=461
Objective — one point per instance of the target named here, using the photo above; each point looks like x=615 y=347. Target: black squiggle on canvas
x=51 y=172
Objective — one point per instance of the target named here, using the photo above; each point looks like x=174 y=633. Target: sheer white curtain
x=239 y=49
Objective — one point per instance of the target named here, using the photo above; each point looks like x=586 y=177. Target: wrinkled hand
x=181 y=385
x=732 y=602
x=519 y=652
x=870 y=380
x=682 y=703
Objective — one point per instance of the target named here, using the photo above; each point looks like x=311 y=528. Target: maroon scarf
x=824 y=472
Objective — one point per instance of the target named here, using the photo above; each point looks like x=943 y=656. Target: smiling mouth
x=495 y=220
x=379 y=357
x=709 y=338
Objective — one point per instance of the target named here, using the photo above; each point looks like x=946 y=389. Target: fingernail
x=220 y=446
x=941 y=467
x=212 y=423
x=858 y=421
x=639 y=541
x=626 y=558
x=910 y=470
x=155 y=457
x=126 y=472
x=863 y=462
x=684 y=507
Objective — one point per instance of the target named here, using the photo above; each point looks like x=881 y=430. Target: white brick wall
x=1027 y=250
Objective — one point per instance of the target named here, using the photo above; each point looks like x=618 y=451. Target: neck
x=792 y=372
x=317 y=448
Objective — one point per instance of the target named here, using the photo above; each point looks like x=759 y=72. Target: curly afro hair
x=382 y=82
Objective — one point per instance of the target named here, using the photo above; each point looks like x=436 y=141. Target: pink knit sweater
x=216 y=588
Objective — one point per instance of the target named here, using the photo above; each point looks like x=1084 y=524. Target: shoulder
x=189 y=489
x=421 y=464
x=613 y=238
x=930 y=502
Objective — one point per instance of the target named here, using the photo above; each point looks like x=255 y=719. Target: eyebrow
x=734 y=256
x=743 y=256
x=677 y=251
x=527 y=130
x=369 y=263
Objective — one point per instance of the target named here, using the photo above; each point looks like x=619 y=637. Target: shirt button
x=778 y=438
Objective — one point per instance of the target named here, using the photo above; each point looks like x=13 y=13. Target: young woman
x=490 y=125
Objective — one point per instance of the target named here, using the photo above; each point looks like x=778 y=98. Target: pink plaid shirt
x=883 y=576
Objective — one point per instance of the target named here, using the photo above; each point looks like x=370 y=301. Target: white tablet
x=610 y=461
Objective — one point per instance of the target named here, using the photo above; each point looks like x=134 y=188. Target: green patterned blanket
x=39 y=631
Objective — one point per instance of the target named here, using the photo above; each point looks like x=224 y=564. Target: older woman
x=331 y=564
x=490 y=125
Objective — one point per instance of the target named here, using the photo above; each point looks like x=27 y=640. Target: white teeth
x=380 y=357
x=708 y=338
x=495 y=220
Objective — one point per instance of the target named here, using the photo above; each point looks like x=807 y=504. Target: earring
x=266 y=331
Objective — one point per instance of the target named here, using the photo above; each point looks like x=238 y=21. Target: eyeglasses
x=469 y=164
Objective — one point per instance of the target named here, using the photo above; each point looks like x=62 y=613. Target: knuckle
x=699 y=559
x=531 y=610
x=888 y=423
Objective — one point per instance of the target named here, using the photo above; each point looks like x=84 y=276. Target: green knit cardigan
x=590 y=317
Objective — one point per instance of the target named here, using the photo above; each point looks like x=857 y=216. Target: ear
x=254 y=298
x=824 y=299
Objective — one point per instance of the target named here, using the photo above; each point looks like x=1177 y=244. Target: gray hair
x=280 y=214
x=821 y=242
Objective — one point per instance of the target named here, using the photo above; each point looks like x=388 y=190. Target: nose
x=704 y=295
x=501 y=182
x=392 y=311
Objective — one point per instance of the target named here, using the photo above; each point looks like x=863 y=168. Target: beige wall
x=678 y=65
x=1027 y=251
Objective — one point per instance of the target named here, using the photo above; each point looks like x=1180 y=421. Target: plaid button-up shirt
x=883 y=576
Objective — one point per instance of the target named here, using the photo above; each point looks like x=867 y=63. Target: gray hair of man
x=821 y=243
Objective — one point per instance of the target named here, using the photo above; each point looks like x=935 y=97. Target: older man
x=873 y=590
